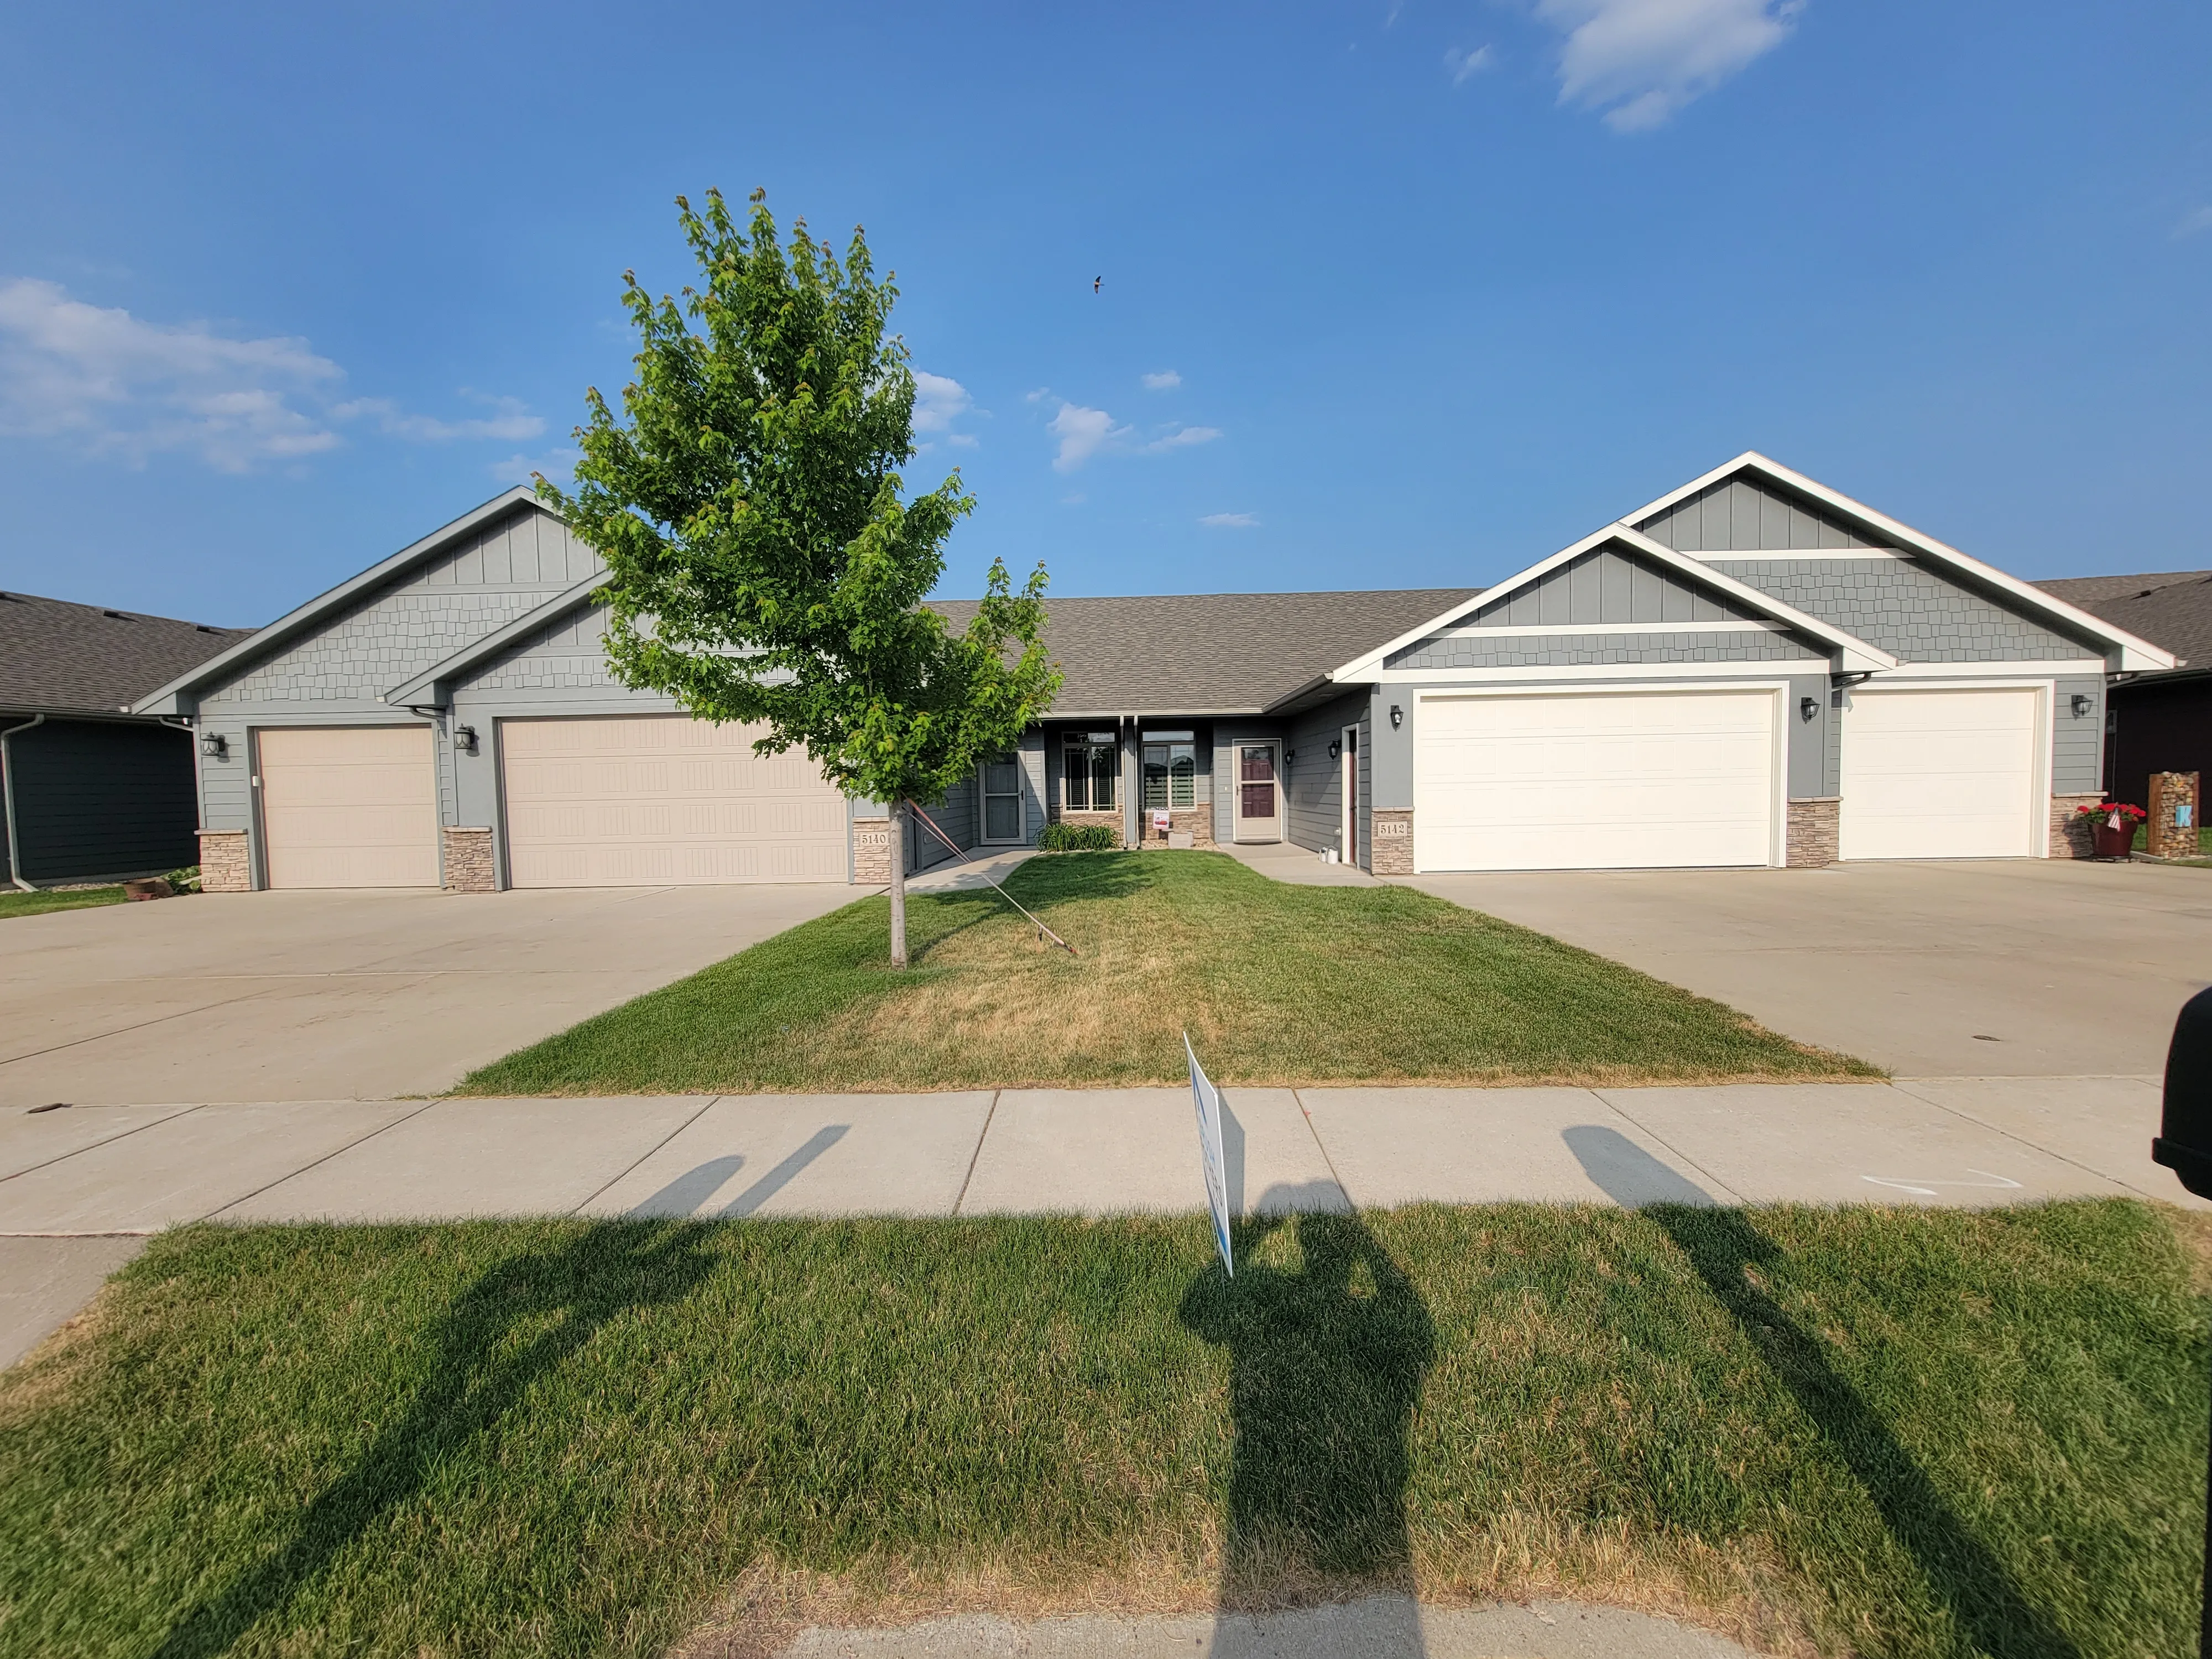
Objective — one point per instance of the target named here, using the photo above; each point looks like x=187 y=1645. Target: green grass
x=1276 y=984
x=13 y=902
x=1887 y=1432
x=2203 y=846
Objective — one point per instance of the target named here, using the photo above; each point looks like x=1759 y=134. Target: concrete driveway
x=342 y=995
x=2027 y=968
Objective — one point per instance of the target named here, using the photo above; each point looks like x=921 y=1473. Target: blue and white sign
x=1206 y=1100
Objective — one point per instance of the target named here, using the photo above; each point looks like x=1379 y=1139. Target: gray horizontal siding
x=1906 y=609
x=2077 y=751
x=1471 y=650
x=226 y=787
x=1740 y=515
x=1313 y=793
x=101 y=798
x=1608 y=586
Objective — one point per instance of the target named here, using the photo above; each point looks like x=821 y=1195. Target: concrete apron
x=1958 y=1141
x=1378 y=1625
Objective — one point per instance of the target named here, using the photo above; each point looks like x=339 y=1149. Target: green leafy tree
x=761 y=566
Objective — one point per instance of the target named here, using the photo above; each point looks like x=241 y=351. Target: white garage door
x=349 y=806
x=1617 y=781
x=1939 y=774
x=651 y=800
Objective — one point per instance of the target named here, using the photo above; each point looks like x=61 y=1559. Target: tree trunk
x=898 y=883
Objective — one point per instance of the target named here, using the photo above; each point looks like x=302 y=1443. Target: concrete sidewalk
x=88 y=1170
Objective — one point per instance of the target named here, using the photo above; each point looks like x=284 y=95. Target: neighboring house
x=1751 y=670
x=92 y=791
x=2157 y=721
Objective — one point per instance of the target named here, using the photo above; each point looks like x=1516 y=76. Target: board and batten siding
x=1604 y=586
x=1739 y=514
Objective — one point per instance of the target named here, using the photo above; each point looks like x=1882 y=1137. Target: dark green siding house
x=92 y=791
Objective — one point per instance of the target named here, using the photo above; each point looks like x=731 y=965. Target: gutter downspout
x=8 y=789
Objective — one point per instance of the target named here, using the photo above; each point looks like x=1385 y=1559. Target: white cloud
x=1082 y=433
x=558 y=465
x=1166 y=381
x=110 y=383
x=1231 y=520
x=938 y=402
x=2193 y=222
x=512 y=422
x=1638 y=61
x=1183 y=437
x=1464 y=63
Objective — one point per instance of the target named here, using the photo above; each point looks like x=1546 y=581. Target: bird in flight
x=1095 y=282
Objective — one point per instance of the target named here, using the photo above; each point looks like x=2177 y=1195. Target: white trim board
x=2135 y=652
x=1570 y=631
x=2040 y=669
x=1663 y=674
x=1854 y=654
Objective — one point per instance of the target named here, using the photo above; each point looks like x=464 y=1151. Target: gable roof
x=162 y=700
x=2173 y=607
x=60 y=658
x=1855 y=654
x=1212 y=654
x=2134 y=652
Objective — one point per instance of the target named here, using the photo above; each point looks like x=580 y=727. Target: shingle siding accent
x=568 y=656
x=425 y=616
x=1738 y=515
x=1608 y=586
x=1906 y=609
x=1470 y=650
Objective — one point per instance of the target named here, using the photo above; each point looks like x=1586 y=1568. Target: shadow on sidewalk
x=475 y=1381
x=1326 y=1359
x=1722 y=1245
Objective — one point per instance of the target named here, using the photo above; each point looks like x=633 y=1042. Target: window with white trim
x=1090 y=762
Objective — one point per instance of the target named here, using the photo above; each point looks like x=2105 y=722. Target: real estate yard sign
x=1207 y=1099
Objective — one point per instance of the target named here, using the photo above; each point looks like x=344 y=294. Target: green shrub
x=1078 y=838
x=186 y=880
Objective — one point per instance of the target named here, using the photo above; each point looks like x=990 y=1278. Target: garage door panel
x=656 y=800
x=349 y=806
x=1611 y=781
x=1938 y=774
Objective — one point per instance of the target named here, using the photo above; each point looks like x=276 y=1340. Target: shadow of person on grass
x=1727 y=1250
x=519 y=1322
x=1326 y=1358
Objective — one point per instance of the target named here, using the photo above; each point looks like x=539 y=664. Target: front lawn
x=1891 y=1432
x=13 y=902
x=1276 y=985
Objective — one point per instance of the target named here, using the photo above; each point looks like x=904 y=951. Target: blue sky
x=1395 y=294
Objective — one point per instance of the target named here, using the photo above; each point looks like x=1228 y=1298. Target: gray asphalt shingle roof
x=1214 y=653
x=2171 y=608
x=60 y=658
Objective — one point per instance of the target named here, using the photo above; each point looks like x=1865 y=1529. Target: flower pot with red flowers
x=2112 y=828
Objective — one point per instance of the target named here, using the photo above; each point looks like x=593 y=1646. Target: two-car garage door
x=652 y=801
x=1599 y=781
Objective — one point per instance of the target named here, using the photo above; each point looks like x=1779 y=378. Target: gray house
x=90 y=791
x=1753 y=670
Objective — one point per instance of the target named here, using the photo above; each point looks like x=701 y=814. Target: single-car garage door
x=349 y=806
x=1939 y=774
x=656 y=799
x=1603 y=781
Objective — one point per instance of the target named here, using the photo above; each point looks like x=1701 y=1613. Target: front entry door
x=1002 y=799
x=1259 y=795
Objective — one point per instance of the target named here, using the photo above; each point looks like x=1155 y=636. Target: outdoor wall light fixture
x=1807 y=707
x=1336 y=747
x=465 y=739
x=214 y=744
x=1397 y=717
x=2082 y=704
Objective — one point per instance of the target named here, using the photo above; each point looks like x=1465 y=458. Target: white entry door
x=348 y=807
x=1597 y=781
x=1940 y=775
x=648 y=800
